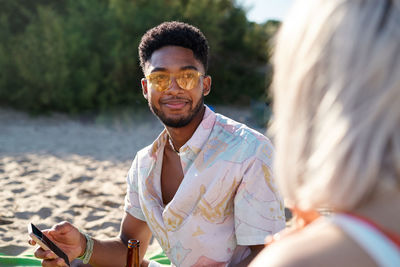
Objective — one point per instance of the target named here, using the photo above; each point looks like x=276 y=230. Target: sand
x=55 y=168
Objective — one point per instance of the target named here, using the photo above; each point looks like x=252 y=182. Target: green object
x=30 y=260
x=21 y=260
x=161 y=258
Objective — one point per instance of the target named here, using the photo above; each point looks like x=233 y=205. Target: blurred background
x=80 y=57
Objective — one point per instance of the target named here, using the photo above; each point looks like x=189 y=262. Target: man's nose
x=173 y=87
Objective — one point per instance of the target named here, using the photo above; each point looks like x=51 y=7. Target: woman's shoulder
x=319 y=244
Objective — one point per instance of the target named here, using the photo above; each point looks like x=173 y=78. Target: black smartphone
x=45 y=242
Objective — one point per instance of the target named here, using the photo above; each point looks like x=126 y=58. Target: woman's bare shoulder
x=319 y=244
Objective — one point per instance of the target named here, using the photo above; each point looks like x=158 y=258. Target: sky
x=262 y=10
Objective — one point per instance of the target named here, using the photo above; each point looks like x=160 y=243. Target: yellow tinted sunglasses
x=186 y=79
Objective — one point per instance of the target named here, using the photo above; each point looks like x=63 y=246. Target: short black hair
x=177 y=34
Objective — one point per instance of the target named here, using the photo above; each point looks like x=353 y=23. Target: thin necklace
x=172 y=145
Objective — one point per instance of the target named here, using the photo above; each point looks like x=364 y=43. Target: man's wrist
x=87 y=254
x=83 y=242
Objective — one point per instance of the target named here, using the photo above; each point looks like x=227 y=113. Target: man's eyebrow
x=189 y=67
x=158 y=69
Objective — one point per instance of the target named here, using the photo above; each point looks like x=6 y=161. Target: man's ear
x=143 y=81
x=206 y=85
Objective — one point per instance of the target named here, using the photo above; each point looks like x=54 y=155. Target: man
x=204 y=187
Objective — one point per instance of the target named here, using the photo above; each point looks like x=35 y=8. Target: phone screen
x=53 y=247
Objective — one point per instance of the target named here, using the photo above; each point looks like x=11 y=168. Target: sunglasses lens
x=159 y=80
x=188 y=79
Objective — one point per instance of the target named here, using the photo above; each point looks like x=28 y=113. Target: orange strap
x=300 y=219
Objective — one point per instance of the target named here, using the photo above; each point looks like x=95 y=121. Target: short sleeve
x=132 y=204
x=259 y=208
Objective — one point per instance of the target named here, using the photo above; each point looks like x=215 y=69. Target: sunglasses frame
x=174 y=75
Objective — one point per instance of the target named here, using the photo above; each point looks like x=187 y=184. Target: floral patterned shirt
x=226 y=201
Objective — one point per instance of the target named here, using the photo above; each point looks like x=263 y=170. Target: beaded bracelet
x=88 y=251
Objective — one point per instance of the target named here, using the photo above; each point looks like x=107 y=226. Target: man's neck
x=181 y=135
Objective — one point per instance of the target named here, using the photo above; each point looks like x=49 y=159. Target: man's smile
x=175 y=103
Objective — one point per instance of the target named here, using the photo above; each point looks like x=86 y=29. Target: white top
x=379 y=247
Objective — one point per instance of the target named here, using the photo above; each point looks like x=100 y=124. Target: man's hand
x=106 y=252
x=68 y=238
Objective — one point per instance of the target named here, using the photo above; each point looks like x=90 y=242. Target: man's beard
x=177 y=122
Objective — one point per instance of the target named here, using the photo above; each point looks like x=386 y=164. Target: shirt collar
x=195 y=143
x=203 y=131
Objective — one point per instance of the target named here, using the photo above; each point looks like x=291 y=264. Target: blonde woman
x=337 y=133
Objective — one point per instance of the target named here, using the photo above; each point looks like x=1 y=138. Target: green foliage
x=73 y=56
x=42 y=64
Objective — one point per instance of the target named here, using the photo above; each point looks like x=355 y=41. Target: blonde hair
x=337 y=102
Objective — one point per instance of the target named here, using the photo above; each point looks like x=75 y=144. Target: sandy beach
x=55 y=168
